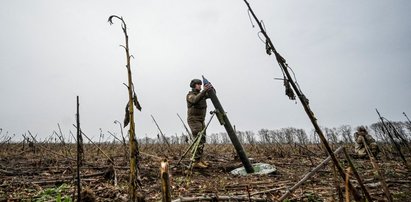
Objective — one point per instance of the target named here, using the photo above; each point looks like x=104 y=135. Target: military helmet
x=361 y=128
x=194 y=82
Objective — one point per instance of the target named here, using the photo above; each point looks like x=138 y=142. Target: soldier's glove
x=208 y=86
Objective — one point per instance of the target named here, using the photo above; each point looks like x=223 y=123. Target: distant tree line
x=343 y=134
x=290 y=135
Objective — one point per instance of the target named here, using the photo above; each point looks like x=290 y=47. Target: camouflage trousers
x=361 y=152
x=196 y=127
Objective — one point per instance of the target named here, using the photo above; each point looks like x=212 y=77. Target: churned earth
x=47 y=173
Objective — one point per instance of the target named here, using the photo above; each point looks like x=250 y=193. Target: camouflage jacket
x=368 y=138
x=197 y=105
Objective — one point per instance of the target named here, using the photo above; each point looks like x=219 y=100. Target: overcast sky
x=350 y=57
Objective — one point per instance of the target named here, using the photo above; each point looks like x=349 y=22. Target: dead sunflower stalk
x=135 y=183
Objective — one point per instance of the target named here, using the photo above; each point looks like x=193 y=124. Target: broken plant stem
x=308 y=175
x=185 y=126
x=104 y=153
x=134 y=151
x=392 y=139
x=304 y=101
x=78 y=151
x=357 y=176
x=165 y=182
x=377 y=170
x=409 y=122
x=347 y=179
x=162 y=134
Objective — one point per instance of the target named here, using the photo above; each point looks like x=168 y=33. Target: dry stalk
x=357 y=176
x=347 y=179
x=337 y=184
x=78 y=150
x=165 y=182
x=377 y=171
x=307 y=176
x=135 y=183
x=104 y=153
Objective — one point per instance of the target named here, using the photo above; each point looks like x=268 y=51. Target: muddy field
x=46 y=172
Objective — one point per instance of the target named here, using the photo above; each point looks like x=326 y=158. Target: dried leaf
x=288 y=91
x=110 y=19
x=267 y=48
x=136 y=103
x=127 y=116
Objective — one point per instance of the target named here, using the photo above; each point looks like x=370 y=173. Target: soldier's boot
x=205 y=163
x=199 y=164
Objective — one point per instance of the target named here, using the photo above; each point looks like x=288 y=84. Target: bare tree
x=331 y=135
x=240 y=136
x=378 y=130
x=224 y=138
x=213 y=138
x=301 y=136
x=264 y=136
x=250 y=137
x=175 y=139
x=315 y=138
x=345 y=131
x=288 y=133
x=277 y=136
x=399 y=128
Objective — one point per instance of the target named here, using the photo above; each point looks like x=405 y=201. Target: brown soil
x=27 y=175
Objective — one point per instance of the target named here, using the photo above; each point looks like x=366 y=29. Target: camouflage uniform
x=360 y=147
x=197 y=109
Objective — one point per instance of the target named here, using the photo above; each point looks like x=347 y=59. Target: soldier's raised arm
x=193 y=99
x=357 y=138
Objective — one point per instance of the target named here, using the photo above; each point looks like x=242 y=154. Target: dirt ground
x=47 y=174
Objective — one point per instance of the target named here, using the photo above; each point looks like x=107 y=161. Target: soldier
x=197 y=108
x=360 y=136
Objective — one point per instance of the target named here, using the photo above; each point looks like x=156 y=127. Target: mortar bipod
x=194 y=145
